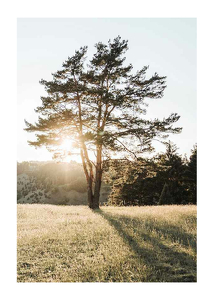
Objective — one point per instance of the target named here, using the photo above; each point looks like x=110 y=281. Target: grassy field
x=113 y=244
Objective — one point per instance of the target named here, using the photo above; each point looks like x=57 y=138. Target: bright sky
x=168 y=46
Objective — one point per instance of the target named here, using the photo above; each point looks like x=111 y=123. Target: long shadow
x=172 y=232
x=166 y=262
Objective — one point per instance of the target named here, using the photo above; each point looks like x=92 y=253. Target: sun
x=66 y=145
x=70 y=152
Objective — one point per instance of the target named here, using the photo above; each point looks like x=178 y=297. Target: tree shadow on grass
x=174 y=233
x=167 y=261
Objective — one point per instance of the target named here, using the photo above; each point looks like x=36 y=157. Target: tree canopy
x=100 y=106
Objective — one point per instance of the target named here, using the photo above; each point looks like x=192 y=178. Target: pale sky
x=167 y=45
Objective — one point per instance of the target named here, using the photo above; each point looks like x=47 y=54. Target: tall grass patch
x=112 y=244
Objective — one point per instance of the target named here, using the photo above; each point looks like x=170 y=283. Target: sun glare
x=72 y=153
x=66 y=145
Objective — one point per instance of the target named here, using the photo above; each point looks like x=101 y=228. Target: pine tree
x=165 y=197
x=101 y=108
x=171 y=175
x=192 y=176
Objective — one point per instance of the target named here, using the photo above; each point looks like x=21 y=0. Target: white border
x=170 y=9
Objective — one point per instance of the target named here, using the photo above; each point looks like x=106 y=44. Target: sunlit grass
x=122 y=244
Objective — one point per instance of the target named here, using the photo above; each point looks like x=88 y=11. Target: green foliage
x=164 y=179
x=192 y=176
x=19 y=195
x=64 y=201
x=165 y=197
x=77 y=185
x=55 y=190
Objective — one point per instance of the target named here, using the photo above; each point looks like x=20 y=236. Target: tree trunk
x=90 y=196
x=89 y=179
x=97 y=189
x=98 y=178
x=93 y=196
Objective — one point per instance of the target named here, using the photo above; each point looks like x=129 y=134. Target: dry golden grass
x=122 y=244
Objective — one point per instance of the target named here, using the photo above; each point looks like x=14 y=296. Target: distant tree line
x=41 y=182
x=46 y=175
x=52 y=182
x=164 y=179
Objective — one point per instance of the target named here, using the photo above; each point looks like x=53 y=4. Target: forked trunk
x=93 y=187
x=93 y=198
